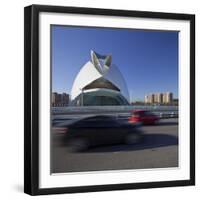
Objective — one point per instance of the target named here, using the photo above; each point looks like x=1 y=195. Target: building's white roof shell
x=90 y=73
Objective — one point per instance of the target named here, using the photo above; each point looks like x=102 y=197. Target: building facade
x=99 y=83
x=160 y=98
x=167 y=97
x=149 y=98
x=59 y=99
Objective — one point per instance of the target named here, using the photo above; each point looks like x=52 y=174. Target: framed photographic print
x=109 y=99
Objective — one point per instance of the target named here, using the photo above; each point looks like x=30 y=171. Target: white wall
x=11 y=101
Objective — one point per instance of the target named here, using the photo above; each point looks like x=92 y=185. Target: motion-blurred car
x=143 y=117
x=98 y=130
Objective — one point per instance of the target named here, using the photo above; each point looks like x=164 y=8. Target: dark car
x=144 y=117
x=99 y=130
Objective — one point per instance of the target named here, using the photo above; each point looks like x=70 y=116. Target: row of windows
x=91 y=100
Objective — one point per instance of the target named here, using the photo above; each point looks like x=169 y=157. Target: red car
x=143 y=116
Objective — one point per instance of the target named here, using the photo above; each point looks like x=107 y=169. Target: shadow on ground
x=150 y=141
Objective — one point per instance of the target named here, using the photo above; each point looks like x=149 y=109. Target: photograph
x=114 y=99
x=109 y=99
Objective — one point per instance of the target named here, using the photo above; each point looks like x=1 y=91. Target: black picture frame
x=31 y=98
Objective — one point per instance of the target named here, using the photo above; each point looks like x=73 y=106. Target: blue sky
x=148 y=60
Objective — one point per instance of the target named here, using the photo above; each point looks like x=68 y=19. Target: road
x=158 y=150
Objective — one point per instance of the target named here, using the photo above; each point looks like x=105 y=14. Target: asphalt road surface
x=158 y=150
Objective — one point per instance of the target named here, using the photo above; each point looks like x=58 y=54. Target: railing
x=85 y=109
x=161 y=111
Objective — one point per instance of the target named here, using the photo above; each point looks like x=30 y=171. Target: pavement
x=158 y=150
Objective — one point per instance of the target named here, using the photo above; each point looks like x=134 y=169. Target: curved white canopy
x=98 y=67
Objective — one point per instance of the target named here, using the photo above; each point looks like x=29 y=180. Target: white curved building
x=99 y=82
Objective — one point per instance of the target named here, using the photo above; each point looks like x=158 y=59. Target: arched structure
x=99 y=82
